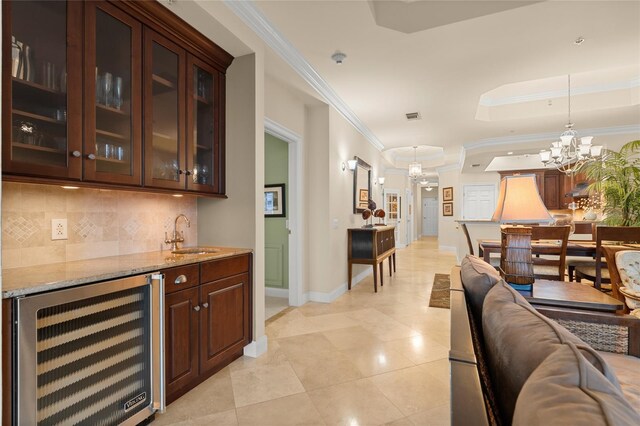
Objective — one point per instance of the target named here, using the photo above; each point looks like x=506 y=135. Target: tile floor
x=274 y=305
x=365 y=359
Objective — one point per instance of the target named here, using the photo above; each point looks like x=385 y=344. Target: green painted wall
x=276 y=170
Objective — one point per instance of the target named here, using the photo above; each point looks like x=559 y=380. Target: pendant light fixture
x=415 y=168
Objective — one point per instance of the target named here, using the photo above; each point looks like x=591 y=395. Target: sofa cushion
x=627 y=370
x=517 y=339
x=567 y=389
x=478 y=277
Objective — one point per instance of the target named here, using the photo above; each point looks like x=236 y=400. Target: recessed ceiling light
x=578 y=41
x=510 y=153
x=338 y=57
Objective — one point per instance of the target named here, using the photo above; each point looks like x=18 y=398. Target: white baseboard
x=400 y=245
x=276 y=292
x=452 y=249
x=256 y=348
x=316 y=296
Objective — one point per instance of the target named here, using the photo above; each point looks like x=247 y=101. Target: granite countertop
x=37 y=279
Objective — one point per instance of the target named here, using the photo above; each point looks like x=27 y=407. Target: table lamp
x=519 y=203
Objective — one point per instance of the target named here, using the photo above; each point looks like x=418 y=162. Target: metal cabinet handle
x=180 y=279
x=180 y=171
x=205 y=305
x=196 y=308
x=91 y=156
x=187 y=172
x=76 y=154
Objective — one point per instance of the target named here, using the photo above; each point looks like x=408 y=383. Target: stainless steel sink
x=196 y=250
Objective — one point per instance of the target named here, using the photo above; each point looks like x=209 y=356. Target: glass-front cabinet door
x=164 y=87
x=113 y=106
x=42 y=89
x=203 y=118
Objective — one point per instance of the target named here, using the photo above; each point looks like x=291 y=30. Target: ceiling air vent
x=413 y=116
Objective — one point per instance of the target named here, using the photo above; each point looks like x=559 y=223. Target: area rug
x=440 y=292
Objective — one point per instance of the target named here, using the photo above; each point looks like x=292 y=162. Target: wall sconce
x=381 y=180
x=352 y=164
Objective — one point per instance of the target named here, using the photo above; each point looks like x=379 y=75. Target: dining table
x=583 y=248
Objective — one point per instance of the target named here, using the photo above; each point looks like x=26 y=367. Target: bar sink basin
x=196 y=250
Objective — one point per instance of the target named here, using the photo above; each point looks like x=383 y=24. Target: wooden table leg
x=394 y=261
x=390 y=272
x=350 y=268
x=375 y=278
x=381 y=273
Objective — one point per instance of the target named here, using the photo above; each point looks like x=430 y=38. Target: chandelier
x=415 y=168
x=568 y=154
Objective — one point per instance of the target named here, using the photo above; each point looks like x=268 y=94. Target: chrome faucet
x=177 y=237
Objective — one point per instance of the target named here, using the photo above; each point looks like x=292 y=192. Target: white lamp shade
x=584 y=150
x=519 y=201
x=545 y=155
x=415 y=169
x=596 y=150
x=566 y=139
x=586 y=140
x=352 y=164
x=381 y=180
x=556 y=152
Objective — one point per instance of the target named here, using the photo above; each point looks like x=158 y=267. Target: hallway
x=365 y=359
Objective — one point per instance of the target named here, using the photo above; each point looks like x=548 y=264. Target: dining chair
x=588 y=229
x=616 y=234
x=610 y=256
x=551 y=265
x=495 y=261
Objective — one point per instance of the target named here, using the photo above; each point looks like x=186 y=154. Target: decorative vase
x=564 y=219
x=590 y=215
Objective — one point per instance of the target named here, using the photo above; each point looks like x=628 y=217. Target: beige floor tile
x=352 y=337
x=290 y=410
x=357 y=402
x=325 y=368
x=390 y=330
x=254 y=385
x=212 y=396
x=438 y=416
x=419 y=349
x=440 y=369
x=401 y=422
x=225 y=418
x=273 y=356
x=305 y=343
x=412 y=390
x=377 y=360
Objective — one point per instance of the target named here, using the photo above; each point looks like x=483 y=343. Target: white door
x=478 y=201
x=392 y=206
x=430 y=217
x=409 y=216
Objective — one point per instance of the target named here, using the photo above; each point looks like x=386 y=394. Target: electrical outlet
x=58 y=229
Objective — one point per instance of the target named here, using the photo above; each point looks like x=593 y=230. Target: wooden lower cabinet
x=208 y=325
x=181 y=339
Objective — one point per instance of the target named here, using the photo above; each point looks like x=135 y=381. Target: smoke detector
x=413 y=116
x=338 y=57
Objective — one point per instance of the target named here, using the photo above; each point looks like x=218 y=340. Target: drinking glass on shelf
x=119 y=153
x=204 y=174
x=117 y=93
x=107 y=88
x=99 y=92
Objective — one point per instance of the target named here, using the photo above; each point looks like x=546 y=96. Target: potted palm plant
x=617 y=178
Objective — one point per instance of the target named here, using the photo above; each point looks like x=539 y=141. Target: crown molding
x=258 y=22
x=553 y=94
x=510 y=140
x=279 y=131
x=448 y=168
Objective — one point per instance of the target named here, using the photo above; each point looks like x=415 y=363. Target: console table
x=371 y=246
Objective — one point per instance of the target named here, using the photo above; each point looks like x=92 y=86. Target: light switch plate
x=59 y=229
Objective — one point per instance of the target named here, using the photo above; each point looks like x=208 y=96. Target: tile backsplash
x=99 y=223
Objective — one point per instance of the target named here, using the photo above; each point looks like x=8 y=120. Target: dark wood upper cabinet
x=113 y=108
x=42 y=90
x=147 y=87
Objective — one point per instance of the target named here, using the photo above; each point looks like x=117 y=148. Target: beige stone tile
x=322 y=369
x=254 y=385
x=412 y=389
x=11 y=197
x=419 y=349
x=401 y=422
x=304 y=344
x=34 y=198
x=273 y=356
x=376 y=360
x=34 y=256
x=352 y=337
x=213 y=396
x=224 y=418
x=390 y=330
x=290 y=410
x=91 y=250
x=356 y=402
x=11 y=258
x=438 y=416
x=440 y=369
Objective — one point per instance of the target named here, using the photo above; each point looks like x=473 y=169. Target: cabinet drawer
x=217 y=269
x=180 y=278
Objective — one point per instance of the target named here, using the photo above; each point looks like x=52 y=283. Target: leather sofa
x=514 y=363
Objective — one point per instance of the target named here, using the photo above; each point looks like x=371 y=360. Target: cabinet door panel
x=42 y=98
x=204 y=153
x=552 y=191
x=225 y=321
x=164 y=88
x=113 y=109
x=181 y=339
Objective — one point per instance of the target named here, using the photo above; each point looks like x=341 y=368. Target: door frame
x=296 y=294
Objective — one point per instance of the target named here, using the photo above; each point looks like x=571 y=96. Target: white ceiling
x=443 y=71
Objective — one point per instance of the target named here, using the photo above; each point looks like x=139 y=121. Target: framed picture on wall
x=447 y=209
x=447 y=193
x=274 y=201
